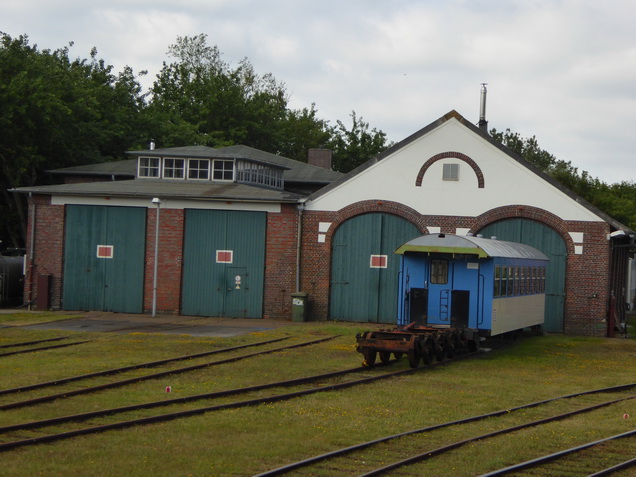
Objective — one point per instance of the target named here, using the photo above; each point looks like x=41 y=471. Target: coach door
x=452 y=291
x=549 y=242
x=104 y=250
x=223 y=263
x=364 y=269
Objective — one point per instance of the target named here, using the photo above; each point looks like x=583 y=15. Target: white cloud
x=562 y=70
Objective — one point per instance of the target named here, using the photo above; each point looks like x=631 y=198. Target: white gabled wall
x=506 y=181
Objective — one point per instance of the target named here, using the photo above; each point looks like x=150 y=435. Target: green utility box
x=299 y=306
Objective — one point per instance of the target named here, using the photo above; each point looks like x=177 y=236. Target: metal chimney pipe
x=483 y=124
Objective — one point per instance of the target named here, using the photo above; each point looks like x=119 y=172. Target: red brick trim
x=446 y=155
x=525 y=212
x=378 y=206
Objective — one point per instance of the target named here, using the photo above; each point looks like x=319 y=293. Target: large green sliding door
x=104 y=250
x=546 y=239
x=223 y=264
x=364 y=269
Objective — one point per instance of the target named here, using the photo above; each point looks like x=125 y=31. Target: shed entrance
x=223 y=263
x=364 y=269
x=104 y=250
x=548 y=241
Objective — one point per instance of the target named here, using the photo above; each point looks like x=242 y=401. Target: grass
x=251 y=440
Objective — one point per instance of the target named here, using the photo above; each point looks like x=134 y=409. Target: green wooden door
x=223 y=263
x=547 y=240
x=364 y=269
x=104 y=250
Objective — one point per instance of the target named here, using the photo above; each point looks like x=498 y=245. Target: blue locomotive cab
x=471 y=282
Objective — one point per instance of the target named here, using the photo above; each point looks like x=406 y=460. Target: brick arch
x=447 y=155
x=378 y=206
x=525 y=212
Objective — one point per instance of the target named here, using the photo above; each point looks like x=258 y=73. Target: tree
x=300 y=131
x=617 y=200
x=56 y=112
x=352 y=147
x=200 y=99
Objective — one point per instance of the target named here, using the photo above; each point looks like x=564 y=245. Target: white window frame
x=223 y=170
x=168 y=171
x=198 y=170
x=147 y=164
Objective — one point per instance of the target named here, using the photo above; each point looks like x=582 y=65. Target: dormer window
x=198 y=169
x=223 y=170
x=240 y=170
x=149 y=167
x=174 y=168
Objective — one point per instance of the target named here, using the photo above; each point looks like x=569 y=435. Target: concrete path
x=104 y=322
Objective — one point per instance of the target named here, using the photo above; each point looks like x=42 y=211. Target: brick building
x=223 y=223
x=452 y=177
x=240 y=230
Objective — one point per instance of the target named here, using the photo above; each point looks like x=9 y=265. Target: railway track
x=8 y=432
x=576 y=460
x=136 y=379
x=29 y=343
x=386 y=454
x=119 y=370
x=41 y=348
x=312 y=385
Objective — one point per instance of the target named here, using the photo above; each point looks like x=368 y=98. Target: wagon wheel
x=414 y=355
x=398 y=356
x=385 y=356
x=369 y=356
x=451 y=344
x=439 y=349
x=427 y=352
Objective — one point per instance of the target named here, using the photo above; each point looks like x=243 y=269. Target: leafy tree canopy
x=57 y=112
x=617 y=200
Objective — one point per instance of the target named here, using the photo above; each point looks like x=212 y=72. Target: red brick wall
x=170 y=259
x=587 y=278
x=48 y=249
x=280 y=262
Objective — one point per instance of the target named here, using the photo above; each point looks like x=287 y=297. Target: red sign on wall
x=379 y=261
x=105 y=251
x=224 y=256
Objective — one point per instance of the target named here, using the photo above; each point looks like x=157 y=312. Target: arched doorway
x=364 y=269
x=546 y=239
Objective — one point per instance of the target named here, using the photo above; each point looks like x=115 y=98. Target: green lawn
x=251 y=440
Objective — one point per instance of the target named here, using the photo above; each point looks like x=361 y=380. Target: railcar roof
x=482 y=247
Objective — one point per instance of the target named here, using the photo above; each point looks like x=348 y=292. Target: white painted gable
x=506 y=181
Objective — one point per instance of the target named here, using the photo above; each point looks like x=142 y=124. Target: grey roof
x=482 y=247
x=118 y=168
x=175 y=189
x=484 y=134
x=295 y=171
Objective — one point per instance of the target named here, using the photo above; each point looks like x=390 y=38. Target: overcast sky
x=561 y=70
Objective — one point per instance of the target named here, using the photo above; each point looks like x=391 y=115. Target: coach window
x=497 y=284
x=542 y=279
x=504 y=281
x=511 y=281
x=439 y=271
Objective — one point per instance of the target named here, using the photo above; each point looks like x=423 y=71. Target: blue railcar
x=471 y=283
